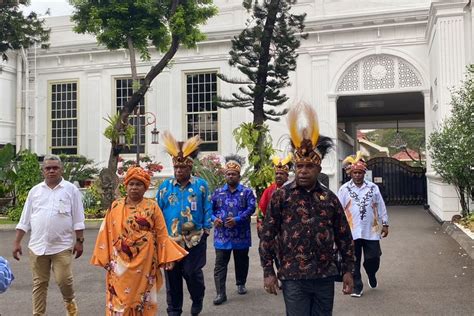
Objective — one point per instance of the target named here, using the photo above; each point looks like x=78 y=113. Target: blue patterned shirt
x=239 y=204
x=180 y=205
x=6 y=275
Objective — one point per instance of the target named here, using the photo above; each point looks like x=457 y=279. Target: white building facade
x=58 y=99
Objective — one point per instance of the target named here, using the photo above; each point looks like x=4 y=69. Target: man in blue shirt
x=6 y=275
x=185 y=202
x=232 y=206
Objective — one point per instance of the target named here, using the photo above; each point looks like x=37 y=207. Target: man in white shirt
x=53 y=211
x=367 y=216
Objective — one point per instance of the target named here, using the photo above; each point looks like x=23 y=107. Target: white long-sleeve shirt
x=52 y=215
x=364 y=208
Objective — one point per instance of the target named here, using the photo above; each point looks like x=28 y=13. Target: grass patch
x=6 y=221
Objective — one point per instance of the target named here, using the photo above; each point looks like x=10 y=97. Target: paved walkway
x=423 y=272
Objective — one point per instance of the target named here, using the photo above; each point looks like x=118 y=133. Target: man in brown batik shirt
x=306 y=220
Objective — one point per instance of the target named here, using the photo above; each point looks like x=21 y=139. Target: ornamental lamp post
x=121 y=137
x=150 y=118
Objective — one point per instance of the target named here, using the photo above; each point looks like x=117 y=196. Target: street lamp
x=398 y=142
x=150 y=119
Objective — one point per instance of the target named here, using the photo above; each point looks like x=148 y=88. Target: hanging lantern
x=154 y=136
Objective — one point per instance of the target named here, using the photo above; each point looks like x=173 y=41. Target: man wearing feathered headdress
x=365 y=210
x=306 y=220
x=185 y=201
x=282 y=168
x=232 y=206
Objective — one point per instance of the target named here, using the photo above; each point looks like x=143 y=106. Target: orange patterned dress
x=132 y=245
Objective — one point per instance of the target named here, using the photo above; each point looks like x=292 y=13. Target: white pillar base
x=442 y=198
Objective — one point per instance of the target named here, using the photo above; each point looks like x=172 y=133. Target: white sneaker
x=357 y=294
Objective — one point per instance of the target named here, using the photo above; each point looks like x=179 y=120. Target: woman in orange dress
x=133 y=245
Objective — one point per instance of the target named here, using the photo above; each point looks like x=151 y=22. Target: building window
x=201 y=112
x=64 y=118
x=123 y=91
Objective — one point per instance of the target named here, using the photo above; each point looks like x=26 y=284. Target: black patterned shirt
x=305 y=225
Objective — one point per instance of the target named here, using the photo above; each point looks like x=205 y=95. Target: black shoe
x=241 y=289
x=196 y=308
x=220 y=298
x=373 y=282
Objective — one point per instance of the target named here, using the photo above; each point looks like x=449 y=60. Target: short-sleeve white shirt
x=52 y=215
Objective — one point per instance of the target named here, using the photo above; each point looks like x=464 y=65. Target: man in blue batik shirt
x=185 y=203
x=232 y=206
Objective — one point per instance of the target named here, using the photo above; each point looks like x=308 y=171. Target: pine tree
x=264 y=52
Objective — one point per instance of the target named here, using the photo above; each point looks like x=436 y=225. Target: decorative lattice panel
x=378 y=72
x=350 y=81
x=407 y=76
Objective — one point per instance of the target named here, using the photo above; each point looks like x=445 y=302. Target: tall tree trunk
x=109 y=189
x=463 y=200
x=261 y=84
x=262 y=73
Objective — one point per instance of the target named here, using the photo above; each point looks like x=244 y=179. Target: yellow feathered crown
x=308 y=144
x=282 y=164
x=182 y=153
x=356 y=162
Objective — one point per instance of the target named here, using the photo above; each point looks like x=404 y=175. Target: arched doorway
x=377 y=91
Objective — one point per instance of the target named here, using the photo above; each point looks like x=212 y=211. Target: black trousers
x=309 y=297
x=241 y=263
x=189 y=269
x=372 y=253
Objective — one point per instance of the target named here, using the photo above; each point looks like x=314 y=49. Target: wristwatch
x=80 y=240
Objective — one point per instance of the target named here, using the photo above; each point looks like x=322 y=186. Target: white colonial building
x=365 y=64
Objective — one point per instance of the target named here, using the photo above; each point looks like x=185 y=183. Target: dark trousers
x=189 y=269
x=241 y=263
x=309 y=297
x=372 y=253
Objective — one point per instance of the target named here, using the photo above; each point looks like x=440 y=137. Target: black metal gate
x=399 y=183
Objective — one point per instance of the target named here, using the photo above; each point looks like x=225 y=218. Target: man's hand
x=270 y=284
x=218 y=222
x=230 y=222
x=169 y=266
x=78 y=249
x=259 y=227
x=17 y=251
x=384 y=231
x=347 y=283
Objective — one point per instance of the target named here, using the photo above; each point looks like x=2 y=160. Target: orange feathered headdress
x=139 y=174
x=282 y=164
x=182 y=153
x=355 y=163
x=307 y=143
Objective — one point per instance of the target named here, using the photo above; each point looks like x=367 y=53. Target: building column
x=447 y=53
x=325 y=106
x=90 y=122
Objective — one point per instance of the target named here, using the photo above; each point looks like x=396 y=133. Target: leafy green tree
x=452 y=144
x=414 y=138
x=17 y=30
x=133 y=25
x=264 y=52
x=27 y=175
